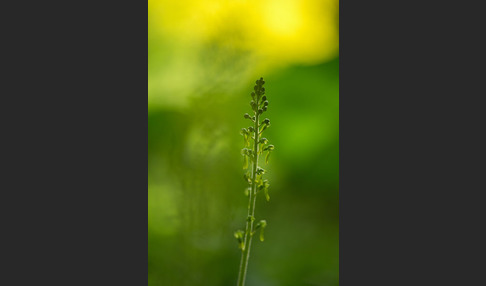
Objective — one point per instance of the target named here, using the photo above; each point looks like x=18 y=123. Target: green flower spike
x=255 y=145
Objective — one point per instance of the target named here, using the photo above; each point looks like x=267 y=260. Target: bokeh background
x=203 y=60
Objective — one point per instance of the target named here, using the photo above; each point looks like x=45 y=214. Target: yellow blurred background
x=249 y=37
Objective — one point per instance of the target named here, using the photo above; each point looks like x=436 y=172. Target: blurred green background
x=203 y=59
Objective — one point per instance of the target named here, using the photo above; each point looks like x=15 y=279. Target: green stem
x=245 y=255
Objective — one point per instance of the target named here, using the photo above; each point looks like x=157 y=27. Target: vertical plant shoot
x=254 y=146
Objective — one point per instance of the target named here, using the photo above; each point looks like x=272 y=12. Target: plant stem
x=245 y=255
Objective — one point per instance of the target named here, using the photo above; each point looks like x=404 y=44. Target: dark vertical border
x=116 y=116
x=409 y=121
x=74 y=109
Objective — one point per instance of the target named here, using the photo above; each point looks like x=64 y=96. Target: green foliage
x=254 y=146
x=196 y=187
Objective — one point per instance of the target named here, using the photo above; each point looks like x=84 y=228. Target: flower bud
x=253 y=105
x=260 y=171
